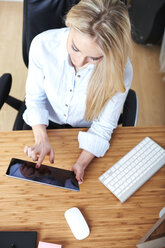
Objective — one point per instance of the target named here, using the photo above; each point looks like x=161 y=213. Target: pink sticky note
x=48 y=245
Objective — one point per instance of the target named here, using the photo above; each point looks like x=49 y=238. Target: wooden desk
x=32 y=206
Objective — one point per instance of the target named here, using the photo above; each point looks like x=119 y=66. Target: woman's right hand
x=42 y=146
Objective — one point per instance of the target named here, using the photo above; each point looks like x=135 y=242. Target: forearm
x=39 y=132
x=85 y=159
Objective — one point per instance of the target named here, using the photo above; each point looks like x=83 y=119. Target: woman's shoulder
x=50 y=36
x=53 y=33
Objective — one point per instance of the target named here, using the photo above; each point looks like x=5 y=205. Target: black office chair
x=148 y=21
x=39 y=16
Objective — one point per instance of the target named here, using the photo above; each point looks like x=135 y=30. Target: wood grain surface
x=31 y=206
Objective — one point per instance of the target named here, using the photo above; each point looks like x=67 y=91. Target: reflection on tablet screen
x=44 y=174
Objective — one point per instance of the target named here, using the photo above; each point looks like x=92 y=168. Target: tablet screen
x=44 y=174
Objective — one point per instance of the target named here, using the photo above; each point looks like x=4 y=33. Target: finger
x=34 y=155
x=40 y=160
x=29 y=149
x=51 y=156
x=79 y=178
x=80 y=182
x=31 y=152
x=26 y=150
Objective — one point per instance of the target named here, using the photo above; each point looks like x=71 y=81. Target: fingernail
x=81 y=181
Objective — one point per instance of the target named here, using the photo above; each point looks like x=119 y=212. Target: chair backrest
x=148 y=20
x=42 y=15
x=39 y=16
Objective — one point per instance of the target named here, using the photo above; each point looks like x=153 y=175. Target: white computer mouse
x=77 y=223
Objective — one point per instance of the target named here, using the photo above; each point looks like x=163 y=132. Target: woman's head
x=106 y=24
x=104 y=21
x=82 y=49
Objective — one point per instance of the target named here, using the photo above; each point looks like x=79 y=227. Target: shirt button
x=65 y=115
x=70 y=90
x=78 y=76
x=66 y=105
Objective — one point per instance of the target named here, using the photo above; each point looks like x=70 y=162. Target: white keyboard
x=134 y=169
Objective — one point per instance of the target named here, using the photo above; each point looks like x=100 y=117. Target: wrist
x=40 y=133
x=84 y=159
x=81 y=164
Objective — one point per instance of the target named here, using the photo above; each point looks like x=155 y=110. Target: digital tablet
x=48 y=175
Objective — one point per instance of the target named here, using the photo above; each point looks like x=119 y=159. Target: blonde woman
x=79 y=76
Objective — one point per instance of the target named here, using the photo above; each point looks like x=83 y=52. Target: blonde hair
x=107 y=22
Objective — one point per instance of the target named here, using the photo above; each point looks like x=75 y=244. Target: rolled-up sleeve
x=36 y=112
x=96 y=139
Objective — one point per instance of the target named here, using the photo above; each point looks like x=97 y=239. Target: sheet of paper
x=48 y=245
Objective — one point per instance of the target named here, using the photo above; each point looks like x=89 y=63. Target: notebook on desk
x=18 y=239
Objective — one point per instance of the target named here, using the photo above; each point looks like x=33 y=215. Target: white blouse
x=55 y=92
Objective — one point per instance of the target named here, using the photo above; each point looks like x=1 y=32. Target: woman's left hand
x=82 y=162
x=79 y=172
